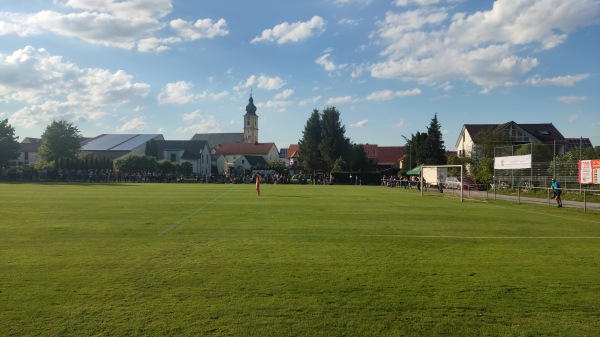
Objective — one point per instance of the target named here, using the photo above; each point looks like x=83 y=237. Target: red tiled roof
x=293 y=151
x=371 y=151
x=389 y=155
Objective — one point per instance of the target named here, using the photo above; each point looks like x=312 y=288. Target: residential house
x=247 y=163
x=28 y=152
x=196 y=152
x=384 y=157
x=232 y=151
x=293 y=156
x=544 y=133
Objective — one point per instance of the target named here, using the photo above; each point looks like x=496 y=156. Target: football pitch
x=216 y=260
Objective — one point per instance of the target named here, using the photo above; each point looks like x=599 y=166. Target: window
x=516 y=135
x=173 y=157
x=26 y=156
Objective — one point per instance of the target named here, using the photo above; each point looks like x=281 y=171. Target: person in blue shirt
x=557 y=191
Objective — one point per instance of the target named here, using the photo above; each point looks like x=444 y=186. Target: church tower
x=250 y=122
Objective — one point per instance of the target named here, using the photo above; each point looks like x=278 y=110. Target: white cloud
x=340 y=100
x=201 y=29
x=563 y=81
x=327 y=64
x=349 y=22
x=312 y=100
x=572 y=118
x=120 y=24
x=352 y=2
x=399 y=124
x=403 y=3
x=294 y=32
x=214 y=96
x=191 y=116
x=134 y=125
x=284 y=94
x=489 y=48
x=177 y=93
x=262 y=82
x=571 y=99
x=53 y=89
x=386 y=95
x=207 y=124
x=360 y=124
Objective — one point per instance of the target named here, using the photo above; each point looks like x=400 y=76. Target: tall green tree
x=486 y=141
x=151 y=148
x=9 y=145
x=415 y=150
x=60 y=140
x=436 y=151
x=334 y=143
x=310 y=154
x=357 y=160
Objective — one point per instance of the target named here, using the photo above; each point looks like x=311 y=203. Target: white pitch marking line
x=189 y=216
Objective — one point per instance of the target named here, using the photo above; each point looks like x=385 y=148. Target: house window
x=173 y=157
x=26 y=154
x=516 y=135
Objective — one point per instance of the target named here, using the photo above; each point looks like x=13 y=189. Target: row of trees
x=425 y=147
x=324 y=146
x=60 y=145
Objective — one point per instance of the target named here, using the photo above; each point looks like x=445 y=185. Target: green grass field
x=216 y=260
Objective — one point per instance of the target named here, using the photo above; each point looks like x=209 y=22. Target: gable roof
x=293 y=151
x=118 y=142
x=371 y=150
x=544 y=132
x=389 y=155
x=259 y=149
x=215 y=139
x=255 y=160
x=577 y=142
x=192 y=149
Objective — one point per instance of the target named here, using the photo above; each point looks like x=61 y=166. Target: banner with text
x=513 y=162
x=589 y=171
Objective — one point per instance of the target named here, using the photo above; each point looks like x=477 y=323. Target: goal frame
x=446 y=166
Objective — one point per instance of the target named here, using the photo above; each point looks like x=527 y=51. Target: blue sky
x=183 y=67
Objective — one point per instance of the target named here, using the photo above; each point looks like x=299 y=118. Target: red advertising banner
x=589 y=171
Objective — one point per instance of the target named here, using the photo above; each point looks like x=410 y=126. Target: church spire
x=251 y=122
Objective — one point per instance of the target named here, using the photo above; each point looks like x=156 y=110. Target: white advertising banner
x=512 y=162
x=589 y=171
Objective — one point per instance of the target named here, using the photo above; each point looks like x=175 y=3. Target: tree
x=136 y=163
x=357 y=160
x=151 y=148
x=540 y=153
x=277 y=166
x=486 y=141
x=417 y=150
x=435 y=149
x=9 y=146
x=186 y=168
x=334 y=143
x=60 y=140
x=309 y=153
